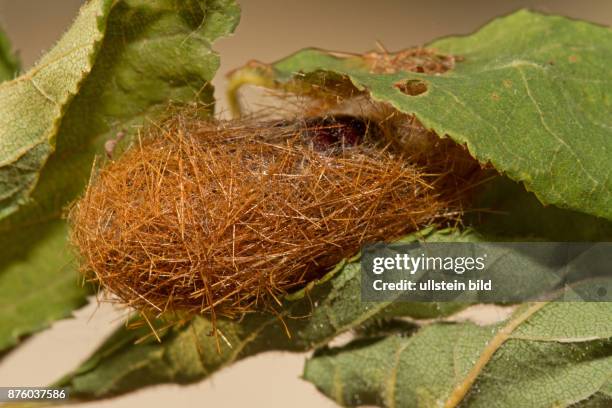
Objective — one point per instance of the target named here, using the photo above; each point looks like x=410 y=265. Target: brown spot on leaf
x=417 y=59
x=412 y=87
x=572 y=58
x=495 y=96
x=507 y=83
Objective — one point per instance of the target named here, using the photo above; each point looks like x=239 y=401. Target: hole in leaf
x=412 y=87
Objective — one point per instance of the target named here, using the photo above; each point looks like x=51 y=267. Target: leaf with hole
x=528 y=93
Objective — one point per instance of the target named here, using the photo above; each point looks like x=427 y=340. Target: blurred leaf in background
x=9 y=63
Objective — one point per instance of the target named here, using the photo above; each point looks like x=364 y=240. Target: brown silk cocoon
x=226 y=217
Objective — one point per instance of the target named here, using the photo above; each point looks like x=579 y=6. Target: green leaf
x=599 y=400
x=189 y=353
x=554 y=354
x=32 y=105
x=518 y=213
x=531 y=94
x=119 y=66
x=38 y=284
x=9 y=63
x=520 y=216
x=34 y=257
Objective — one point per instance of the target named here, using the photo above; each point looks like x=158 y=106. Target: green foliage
x=519 y=214
x=531 y=95
x=560 y=355
x=37 y=284
x=118 y=66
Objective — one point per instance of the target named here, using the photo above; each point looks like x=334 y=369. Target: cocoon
x=225 y=217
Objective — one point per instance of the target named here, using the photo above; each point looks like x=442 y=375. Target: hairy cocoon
x=227 y=217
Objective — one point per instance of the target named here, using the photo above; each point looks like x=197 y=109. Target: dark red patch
x=335 y=131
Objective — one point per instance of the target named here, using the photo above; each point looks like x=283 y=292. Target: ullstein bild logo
x=487 y=272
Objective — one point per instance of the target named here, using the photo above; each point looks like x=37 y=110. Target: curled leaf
x=118 y=66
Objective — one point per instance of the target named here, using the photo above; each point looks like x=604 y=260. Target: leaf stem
x=496 y=342
x=239 y=78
